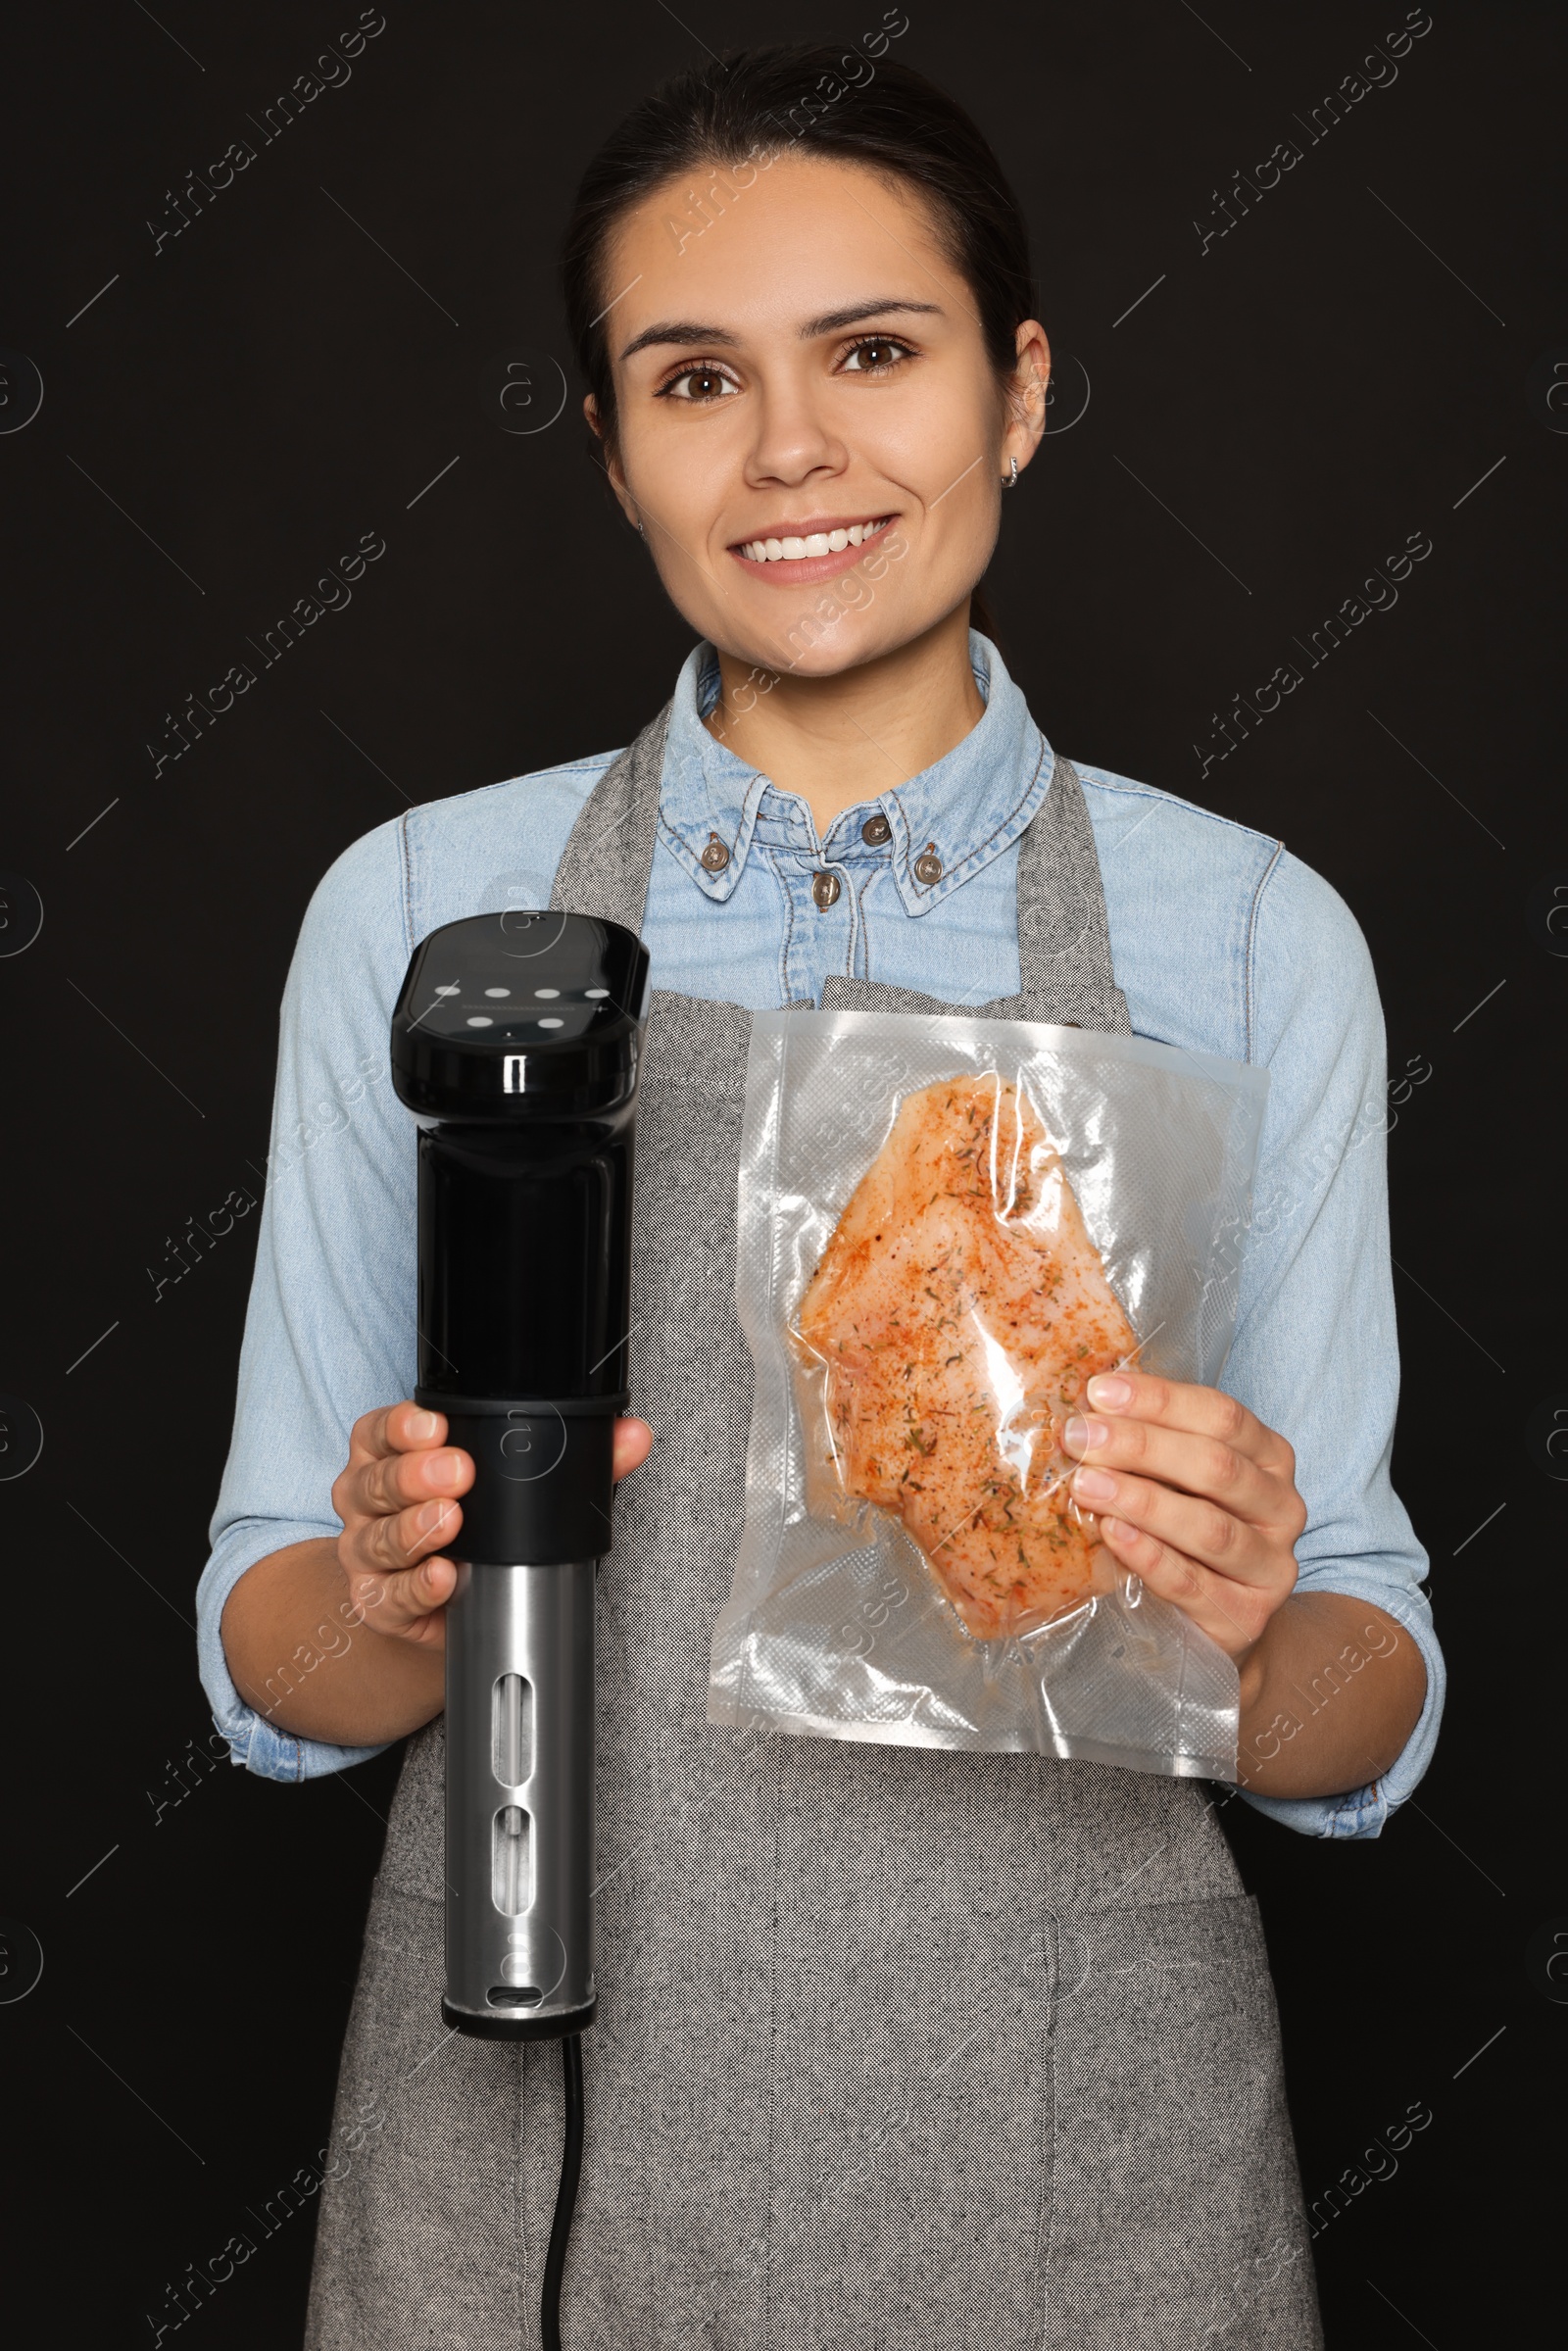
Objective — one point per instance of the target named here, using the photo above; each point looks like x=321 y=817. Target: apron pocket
x=419 y=2238
x=1176 y=2207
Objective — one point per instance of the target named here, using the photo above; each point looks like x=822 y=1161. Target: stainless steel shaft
x=520 y=1791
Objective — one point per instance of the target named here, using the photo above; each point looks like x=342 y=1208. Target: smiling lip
x=802 y=570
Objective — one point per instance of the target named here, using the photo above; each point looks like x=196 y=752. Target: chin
x=829 y=660
x=815 y=648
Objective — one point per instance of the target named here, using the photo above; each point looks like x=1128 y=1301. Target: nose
x=794 y=441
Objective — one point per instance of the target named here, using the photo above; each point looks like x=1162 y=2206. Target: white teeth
x=819 y=543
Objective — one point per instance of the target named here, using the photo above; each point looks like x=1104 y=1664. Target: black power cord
x=566 y=2195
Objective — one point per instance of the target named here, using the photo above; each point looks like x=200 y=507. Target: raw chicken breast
x=957 y=1314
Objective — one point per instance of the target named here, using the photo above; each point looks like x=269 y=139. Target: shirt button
x=716 y=857
x=825 y=889
x=875 y=830
x=928 y=865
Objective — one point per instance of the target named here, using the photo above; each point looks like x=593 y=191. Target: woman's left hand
x=1196 y=1496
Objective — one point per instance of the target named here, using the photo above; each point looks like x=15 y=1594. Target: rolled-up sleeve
x=1316 y=1349
x=329 y=1330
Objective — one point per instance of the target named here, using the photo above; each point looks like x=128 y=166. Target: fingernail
x=422 y=1428
x=432 y=1516
x=1109 y=1392
x=444 y=1468
x=1082 y=1436
x=1093 y=1486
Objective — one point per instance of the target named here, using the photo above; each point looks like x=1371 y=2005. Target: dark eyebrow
x=678 y=330
x=682 y=330
x=831 y=320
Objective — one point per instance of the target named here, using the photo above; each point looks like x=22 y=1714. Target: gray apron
x=897 y=2050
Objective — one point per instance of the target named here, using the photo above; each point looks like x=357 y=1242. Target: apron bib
x=896 y=2050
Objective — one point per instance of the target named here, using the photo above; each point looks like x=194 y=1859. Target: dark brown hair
x=764 y=102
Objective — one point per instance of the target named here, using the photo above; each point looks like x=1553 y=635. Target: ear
x=611 y=461
x=1026 y=395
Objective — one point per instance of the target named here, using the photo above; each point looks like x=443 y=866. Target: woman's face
x=810 y=432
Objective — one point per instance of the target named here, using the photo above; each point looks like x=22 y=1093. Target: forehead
x=805 y=236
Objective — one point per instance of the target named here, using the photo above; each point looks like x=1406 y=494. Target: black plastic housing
x=515 y=1039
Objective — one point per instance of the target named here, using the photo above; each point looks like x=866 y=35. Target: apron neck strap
x=609 y=855
x=1064 y=963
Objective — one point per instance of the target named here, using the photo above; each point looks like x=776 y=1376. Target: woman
x=897 y=2046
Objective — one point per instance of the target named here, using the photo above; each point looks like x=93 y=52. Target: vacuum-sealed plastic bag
x=948 y=1226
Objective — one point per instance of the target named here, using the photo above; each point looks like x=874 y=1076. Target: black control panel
x=500 y=1014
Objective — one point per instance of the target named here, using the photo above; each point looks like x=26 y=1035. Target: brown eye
x=878 y=355
x=707 y=384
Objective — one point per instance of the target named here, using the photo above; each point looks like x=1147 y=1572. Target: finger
x=633 y=1440
x=1193 y=1464
x=409 y=1426
x=1200 y=1529
x=1233 y=1615
x=397 y=1480
x=1183 y=1404
x=389 y=1543
x=405 y=1604
x=393 y=1427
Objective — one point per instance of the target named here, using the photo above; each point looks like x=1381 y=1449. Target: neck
x=839 y=740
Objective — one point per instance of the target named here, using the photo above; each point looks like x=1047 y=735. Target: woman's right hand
x=398 y=1499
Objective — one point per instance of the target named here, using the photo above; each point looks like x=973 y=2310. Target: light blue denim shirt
x=1221 y=941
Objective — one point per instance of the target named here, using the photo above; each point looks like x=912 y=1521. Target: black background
x=303 y=364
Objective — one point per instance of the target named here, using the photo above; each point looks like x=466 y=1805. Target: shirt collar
x=963 y=810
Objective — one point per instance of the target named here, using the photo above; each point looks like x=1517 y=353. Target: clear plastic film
x=947 y=1226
